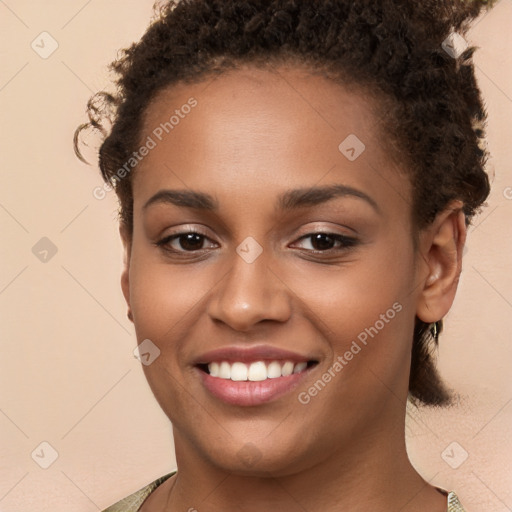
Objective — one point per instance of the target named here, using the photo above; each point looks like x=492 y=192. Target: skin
x=254 y=135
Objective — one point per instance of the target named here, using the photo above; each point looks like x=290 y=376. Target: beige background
x=67 y=371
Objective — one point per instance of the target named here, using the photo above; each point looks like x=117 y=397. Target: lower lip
x=247 y=393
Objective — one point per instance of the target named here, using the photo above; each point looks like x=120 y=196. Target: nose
x=248 y=294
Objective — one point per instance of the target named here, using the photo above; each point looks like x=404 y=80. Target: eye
x=187 y=241
x=323 y=242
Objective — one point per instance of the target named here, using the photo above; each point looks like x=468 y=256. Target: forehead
x=252 y=127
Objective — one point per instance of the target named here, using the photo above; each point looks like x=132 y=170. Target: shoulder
x=132 y=502
x=454 y=505
x=452 y=501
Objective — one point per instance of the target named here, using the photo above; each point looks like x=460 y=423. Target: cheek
x=162 y=296
x=166 y=301
x=348 y=298
x=365 y=313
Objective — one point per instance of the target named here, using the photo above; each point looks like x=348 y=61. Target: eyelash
x=345 y=241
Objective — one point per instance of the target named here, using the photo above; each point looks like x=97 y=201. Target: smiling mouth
x=256 y=371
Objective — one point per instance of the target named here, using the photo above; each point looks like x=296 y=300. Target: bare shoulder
x=158 y=498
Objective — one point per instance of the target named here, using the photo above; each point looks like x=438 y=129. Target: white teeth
x=238 y=371
x=274 y=370
x=214 y=369
x=224 y=370
x=300 y=367
x=256 y=371
x=287 y=369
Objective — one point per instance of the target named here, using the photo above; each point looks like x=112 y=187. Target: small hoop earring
x=435 y=329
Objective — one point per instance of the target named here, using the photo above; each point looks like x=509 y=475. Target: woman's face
x=303 y=254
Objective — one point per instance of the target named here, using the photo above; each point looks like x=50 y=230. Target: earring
x=435 y=329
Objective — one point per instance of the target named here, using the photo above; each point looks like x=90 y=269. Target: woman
x=295 y=180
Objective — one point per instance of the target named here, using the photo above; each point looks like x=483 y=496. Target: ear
x=441 y=246
x=126 y=239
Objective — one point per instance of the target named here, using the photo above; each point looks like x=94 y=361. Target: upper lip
x=251 y=354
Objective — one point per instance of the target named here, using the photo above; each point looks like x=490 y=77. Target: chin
x=261 y=458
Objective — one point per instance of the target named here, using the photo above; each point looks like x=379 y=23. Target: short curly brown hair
x=435 y=116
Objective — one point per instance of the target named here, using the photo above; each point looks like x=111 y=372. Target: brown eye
x=190 y=241
x=323 y=242
x=184 y=242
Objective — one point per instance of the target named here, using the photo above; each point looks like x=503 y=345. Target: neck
x=364 y=474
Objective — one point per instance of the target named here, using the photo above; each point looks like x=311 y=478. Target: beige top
x=133 y=502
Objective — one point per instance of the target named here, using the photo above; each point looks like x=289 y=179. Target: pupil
x=322 y=241
x=191 y=241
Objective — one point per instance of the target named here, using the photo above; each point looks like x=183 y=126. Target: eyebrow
x=290 y=200
x=304 y=197
x=183 y=198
